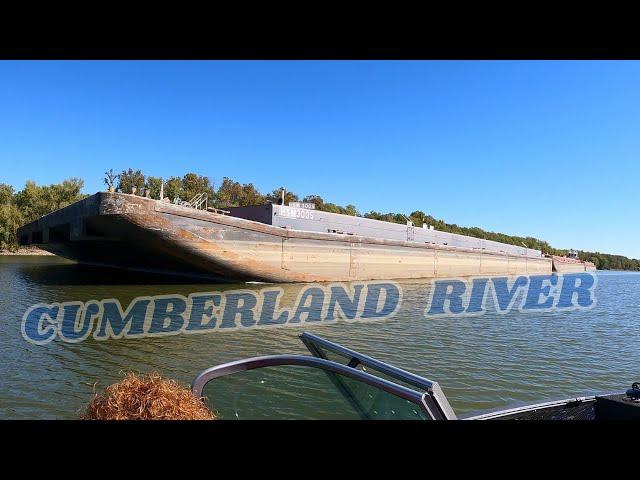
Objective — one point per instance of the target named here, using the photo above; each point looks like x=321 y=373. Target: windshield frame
x=418 y=398
x=434 y=394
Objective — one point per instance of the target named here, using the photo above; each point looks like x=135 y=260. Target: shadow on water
x=78 y=274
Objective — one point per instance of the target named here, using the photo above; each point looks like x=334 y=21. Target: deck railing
x=199 y=202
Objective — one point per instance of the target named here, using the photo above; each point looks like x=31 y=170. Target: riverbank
x=26 y=251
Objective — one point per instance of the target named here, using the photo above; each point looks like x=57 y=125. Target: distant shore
x=26 y=251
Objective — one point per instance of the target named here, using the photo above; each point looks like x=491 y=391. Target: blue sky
x=548 y=149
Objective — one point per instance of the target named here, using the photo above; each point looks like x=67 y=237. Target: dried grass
x=147 y=397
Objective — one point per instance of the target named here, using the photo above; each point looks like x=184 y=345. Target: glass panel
x=344 y=360
x=292 y=392
x=376 y=404
x=333 y=356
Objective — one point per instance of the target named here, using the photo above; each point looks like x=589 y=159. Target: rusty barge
x=571 y=263
x=270 y=243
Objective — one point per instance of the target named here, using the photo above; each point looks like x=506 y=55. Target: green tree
x=194 y=184
x=229 y=194
x=65 y=193
x=110 y=178
x=276 y=196
x=173 y=188
x=6 y=194
x=31 y=203
x=316 y=200
x=351 y=210
x=35 y=201
x=153 y=184
x=251 y=196
x=10 y=219
x=131 y=178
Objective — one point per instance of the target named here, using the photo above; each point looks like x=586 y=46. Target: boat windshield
x=434 y=398
x=300 y=392
x=334 y=383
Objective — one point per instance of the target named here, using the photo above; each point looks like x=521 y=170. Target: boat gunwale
x=523 y=407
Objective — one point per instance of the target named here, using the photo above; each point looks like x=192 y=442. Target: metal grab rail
x=429 y=386
x=230 y=368
x=407 y=377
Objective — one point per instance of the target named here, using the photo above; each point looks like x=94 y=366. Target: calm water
x=481 y=362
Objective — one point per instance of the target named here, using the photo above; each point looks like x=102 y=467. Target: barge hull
x=571 y=265
x=132 y=232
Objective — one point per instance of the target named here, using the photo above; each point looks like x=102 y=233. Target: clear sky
x=548 y=149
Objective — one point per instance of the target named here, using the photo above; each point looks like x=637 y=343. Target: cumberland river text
x=218 y=311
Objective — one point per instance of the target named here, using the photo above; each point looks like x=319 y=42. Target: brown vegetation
x=147 y=397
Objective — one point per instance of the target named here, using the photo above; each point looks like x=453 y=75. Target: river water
x=481 y=362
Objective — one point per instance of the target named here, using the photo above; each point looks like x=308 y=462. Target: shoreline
x=21 y=251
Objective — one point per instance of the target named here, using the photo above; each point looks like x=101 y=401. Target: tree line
x=30 y=203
